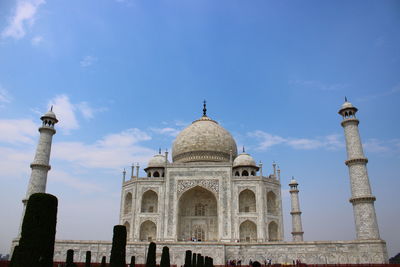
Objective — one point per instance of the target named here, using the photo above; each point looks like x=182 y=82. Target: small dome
x=157 y=161
x=244 y=159
x=293 y=182
x=204 y=140
x=50 y=114
x=347 y=105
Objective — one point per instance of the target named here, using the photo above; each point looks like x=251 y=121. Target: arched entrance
x=197 y=215
x=248 y=231
x=148 y=231
x=272 y=231
x=247 y=201
x=149 y=202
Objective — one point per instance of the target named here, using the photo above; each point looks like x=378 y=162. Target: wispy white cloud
x=167 y=131
x=4 y=96
x=267 y=140
x=23 y=16
x=87 y=61
x=313 y=84
x=75 y=182
x=394 y=90
x=111 y=152
x=19 y=131
x=65 y=112
x=37 y=40
x=14 y=162
x=88 y=111
x=375 y=145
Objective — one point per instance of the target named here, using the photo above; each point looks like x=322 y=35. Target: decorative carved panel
x=211 y=184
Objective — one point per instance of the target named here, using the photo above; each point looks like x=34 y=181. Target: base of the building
x=312 y=252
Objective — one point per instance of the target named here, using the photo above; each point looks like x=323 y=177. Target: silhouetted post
x=118 y=249
x=70 y=258
x=103 y=261
x=200 y=260
x=36 y=245
x=151 y=255
x=188 y=258
x=132 y=262
x=194 y=260
x=165 y=257
x=88 y=258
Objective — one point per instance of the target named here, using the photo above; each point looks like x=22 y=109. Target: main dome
x=203 y=140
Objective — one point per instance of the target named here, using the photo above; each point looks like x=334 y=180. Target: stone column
x=361 y=195
x=297 y=228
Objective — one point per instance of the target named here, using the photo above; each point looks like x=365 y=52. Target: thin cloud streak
x=87 y=61
x=5 y=97
x=173 y=132
x=312 y=84
x=394 y=90
x=267 y=140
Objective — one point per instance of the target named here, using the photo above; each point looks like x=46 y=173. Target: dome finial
x=51 y=109
x=345 y=99
x=244 y=151
x=204 y=109
x=159 y=151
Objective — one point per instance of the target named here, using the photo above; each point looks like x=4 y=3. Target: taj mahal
x=217 y=201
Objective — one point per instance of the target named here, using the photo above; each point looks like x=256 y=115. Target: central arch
x=197 y=215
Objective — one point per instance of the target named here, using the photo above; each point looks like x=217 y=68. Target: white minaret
x=40 y=165
x=297 y=228
x=361 y=195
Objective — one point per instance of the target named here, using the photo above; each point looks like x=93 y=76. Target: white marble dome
x=244 y=159
x=156 y=161
x=203 y=140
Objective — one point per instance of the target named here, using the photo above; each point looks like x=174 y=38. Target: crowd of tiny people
x=267 y=262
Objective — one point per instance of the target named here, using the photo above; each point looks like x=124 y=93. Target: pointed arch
x=248 y=231
x=128 y=230
x=272 y=203
x=245 y=173
x=247 y=201
x=149 y=201
x=273 y=231
x=148 y=231
x=197 y=215
x=128 y=203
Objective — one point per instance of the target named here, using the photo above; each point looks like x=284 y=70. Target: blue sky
x=126 y=76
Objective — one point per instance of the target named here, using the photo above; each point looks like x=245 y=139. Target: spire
x=204 y=109
x=51 y=109
x=159 y=150
x=244 y=150
x=345 y=99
